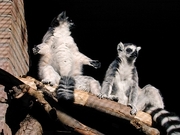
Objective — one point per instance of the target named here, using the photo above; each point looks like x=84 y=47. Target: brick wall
x=13 y=38
x=14 y=56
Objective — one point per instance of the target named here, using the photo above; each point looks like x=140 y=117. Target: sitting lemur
x=121 y=84
x=61 y=62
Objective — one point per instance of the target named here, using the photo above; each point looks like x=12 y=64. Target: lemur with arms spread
x=121 y=84
x=61 y=62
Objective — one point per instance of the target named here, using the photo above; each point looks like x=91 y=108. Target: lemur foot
x=46 y=81
x=111 y=97
x=133 y=109
x=102 y=96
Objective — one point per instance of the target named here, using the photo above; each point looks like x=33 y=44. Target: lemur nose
x=134 y=54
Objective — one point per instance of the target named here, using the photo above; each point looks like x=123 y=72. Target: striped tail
x=167 y=120
x=65 y=90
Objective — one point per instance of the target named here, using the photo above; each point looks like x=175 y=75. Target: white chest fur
x=123 y=80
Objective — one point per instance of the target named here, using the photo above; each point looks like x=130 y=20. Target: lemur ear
x=62 y=16
x=120 y=46
x=138 y=48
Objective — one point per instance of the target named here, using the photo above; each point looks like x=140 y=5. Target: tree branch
x=142 y=121
x=63 y=117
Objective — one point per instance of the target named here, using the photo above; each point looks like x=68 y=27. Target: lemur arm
x=86 y=60
x=133 y=95
x=132 y=101
x=108 y=81
x=107 y=87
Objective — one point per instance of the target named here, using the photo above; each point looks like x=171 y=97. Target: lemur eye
x=128 y=50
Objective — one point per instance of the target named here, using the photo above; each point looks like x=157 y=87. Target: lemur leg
x=94 y=86
x=106 y=89
x=49 y=75
x=149 y=98
x=88 y=84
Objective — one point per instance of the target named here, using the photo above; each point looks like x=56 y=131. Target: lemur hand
x=95 y=63
x=35 y=50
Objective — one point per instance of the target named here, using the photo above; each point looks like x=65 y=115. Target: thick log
x=142 y=121
x=76 y=125
x=26 y=84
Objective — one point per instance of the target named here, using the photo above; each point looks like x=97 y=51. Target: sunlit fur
x=60 y=56
x=80 y=82
x=121 y=84
x=121 y=79
x=59 y=53
x=87 y=83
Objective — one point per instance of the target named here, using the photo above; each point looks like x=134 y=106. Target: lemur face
x=60 y=20
x=128 y=50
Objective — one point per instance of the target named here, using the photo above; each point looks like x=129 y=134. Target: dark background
x=100 y=25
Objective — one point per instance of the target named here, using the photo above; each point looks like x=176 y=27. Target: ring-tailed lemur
x=121 y=79
x=121 y=83
x=65 y=58
x=60 y=57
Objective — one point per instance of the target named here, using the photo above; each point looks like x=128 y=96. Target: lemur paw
x=133 y=109
x=102 y=96
x=111 y=97
x=46 y=81
x=35 y=50
x=95 y=63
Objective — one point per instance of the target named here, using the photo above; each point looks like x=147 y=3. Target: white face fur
x=128 y=50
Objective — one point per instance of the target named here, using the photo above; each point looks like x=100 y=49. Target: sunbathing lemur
x=121 y=83
x=61 y=59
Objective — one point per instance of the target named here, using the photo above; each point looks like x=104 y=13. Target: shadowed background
x=100 y=25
